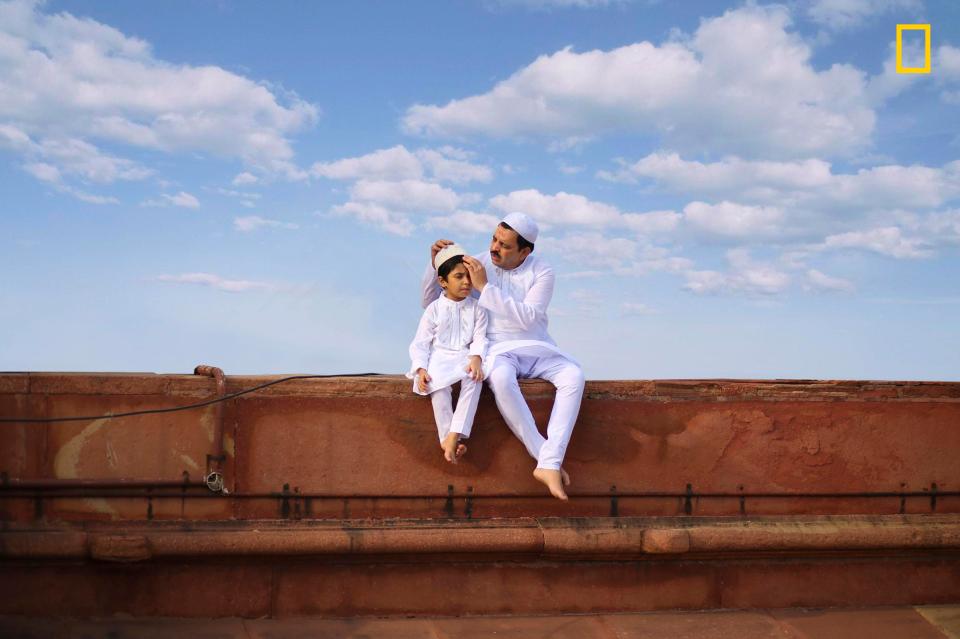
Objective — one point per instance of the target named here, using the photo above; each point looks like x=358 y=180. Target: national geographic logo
x=925 y=28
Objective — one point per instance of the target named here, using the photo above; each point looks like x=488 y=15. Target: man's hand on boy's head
x=438 y=246
x=478 y=274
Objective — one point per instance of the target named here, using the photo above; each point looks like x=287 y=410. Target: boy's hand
x=422 y=379
x=475 y=368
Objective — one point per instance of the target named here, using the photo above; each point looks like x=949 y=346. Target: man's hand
x=478 y=274
x=475 y=368
x=436 y=247
x=423 y=379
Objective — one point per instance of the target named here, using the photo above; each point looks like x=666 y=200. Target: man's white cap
x=523 y=224
x=446 y=253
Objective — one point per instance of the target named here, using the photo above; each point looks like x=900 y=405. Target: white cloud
x=246 y=198
x=652 y=222
x=590 y=249
x=217 y=282
x=251 y=223
x=395 y=163
x=446 y=164
x=729 y=219
x=843 y=15
x=818 y=281
x=612 y=255
x=942 y=226
x=81 y=158
x=376 y=215
x=52 y=176
x=70 y=80
x=89 y=197
x=694 y=92
x=466 y=222
x=183 y=199
x=634 y=309
x=947 y=72
x=809 y=183
x=562 y=208
x=406 y=195
x=555 y=4
x=651 y=263
x=586 y=296
x=568 y=169
x=745 y=276
x=948 y=62
x=886 y=241
x=43 y=172
x=245 y=178
x=70 y=157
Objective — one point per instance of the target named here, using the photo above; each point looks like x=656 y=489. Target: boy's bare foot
x=553 y=481
x=565 y=477
x=453 y=450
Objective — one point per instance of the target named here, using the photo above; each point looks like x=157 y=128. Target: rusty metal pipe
x=216 y=461
x=140 y=490
x=97 y=484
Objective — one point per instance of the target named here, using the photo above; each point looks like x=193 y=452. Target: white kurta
x=521 y=347
x=448 y=334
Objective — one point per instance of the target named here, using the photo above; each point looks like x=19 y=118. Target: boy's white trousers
x=459 y=420
x=565 y=375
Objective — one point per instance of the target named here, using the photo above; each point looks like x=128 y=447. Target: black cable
x=152 y=411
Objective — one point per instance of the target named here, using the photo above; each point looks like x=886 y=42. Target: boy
x=449 y=347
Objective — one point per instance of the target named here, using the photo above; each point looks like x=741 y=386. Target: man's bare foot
x=453 y=449
x=565 y=477
x=553 y=481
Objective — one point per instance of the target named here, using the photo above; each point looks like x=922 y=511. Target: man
x=515 y=287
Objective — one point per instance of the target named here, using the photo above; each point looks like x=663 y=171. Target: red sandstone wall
x=368 y=447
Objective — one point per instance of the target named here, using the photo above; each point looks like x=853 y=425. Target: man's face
x=505 y=251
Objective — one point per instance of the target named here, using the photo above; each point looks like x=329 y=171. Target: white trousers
x=565 y=375
x=461 y=419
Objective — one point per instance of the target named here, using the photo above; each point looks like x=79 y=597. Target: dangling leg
x=462 y=423
x=568 y=379
x=513 y=407
x=443 y=414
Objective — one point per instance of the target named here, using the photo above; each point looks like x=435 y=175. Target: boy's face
x=457 y=285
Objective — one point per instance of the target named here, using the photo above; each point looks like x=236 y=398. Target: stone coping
x=598 y=537
x=663 y=390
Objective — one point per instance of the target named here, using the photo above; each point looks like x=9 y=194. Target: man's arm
x=530 y=310
x=429 y=288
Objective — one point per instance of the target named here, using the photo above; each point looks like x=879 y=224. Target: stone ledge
x=556 y=537
x=398 y=386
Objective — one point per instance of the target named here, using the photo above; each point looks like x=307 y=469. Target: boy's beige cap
x=446 y=253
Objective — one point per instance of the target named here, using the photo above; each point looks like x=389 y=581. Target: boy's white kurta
x=448 y=334
x=520 y=347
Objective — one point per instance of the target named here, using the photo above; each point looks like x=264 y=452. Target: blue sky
x=742 y=190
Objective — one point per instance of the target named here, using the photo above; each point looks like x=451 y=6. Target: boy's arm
x=420 y=346
x=478 y=346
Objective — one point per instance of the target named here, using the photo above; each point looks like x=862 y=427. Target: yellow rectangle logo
x=926 y=58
